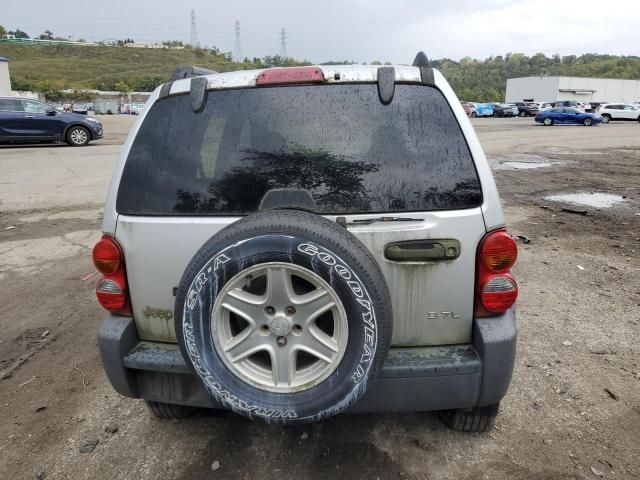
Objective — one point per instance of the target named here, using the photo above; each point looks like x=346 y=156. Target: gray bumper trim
x=412 y=379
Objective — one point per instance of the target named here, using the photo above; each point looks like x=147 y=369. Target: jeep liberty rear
x=277 y=236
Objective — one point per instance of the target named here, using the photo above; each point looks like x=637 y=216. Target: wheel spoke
x=317 y=343
x=283 y=364
x=245 y=304
x=279 y=287
x=313 y=304
x=246 y=343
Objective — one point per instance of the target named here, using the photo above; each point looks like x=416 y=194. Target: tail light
x=111 y=289
x=496 y=289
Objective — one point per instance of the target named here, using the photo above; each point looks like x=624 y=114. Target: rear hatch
x=397 y=173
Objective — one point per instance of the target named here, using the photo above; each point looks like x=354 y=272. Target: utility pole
x=193 y=41
x=237 y=48
x=283 y=43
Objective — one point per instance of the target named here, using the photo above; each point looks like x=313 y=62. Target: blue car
x=23 y=120
x=481 y=109
x=567 y=115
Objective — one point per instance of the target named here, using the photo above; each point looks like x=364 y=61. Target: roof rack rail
x=188 y=71
x=421 y=60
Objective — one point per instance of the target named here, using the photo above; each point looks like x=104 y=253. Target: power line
x=283 y=43
x=193 y=41
x=237 y=47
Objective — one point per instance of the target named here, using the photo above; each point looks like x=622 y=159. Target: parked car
x=542 y=106
x=504 y=110
x=481 y=109
x=565 y=103
x=23 y=120
x=466 y=107
x=527 y=109
x=596 y=105
x=618 y=111
x=567 y=115
x=248 y=264
x=79 y=108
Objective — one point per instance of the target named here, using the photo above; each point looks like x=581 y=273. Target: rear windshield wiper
x=369 y=221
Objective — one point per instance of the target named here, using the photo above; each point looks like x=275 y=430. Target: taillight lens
x=107 y=256
x=496 y=289
x=279 y=76
x=111 y=290
x=111 y=294
x=499 y=252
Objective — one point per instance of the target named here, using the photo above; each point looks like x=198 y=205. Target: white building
x=5 y=81
x=549 y=89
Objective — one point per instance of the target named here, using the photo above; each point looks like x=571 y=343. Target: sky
x=358 y=30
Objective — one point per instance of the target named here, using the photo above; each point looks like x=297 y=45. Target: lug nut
x=297 y=328
x=270 y=311
x=290 y=311
x=281 y=341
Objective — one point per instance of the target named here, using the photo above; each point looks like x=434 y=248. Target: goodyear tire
x=284 y=316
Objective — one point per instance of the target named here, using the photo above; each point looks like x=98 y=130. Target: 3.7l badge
x=441 y=315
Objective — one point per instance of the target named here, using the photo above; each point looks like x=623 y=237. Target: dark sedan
x=567 y=115
x=526 y=109
x=23 y=120
x=504 y=110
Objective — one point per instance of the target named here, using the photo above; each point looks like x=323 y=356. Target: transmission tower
x=193 y=41
x=237 y=48
x=283 y=43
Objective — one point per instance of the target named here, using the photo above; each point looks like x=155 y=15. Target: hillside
x=70 y=66
x=54 y=67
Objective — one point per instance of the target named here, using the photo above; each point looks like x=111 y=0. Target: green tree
x=2 y=30
x=18 y=33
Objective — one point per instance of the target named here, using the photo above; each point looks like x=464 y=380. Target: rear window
x=337 y=142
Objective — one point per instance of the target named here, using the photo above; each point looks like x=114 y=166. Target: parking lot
x=573 y=409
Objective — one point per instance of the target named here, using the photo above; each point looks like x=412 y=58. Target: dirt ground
x=572 y=412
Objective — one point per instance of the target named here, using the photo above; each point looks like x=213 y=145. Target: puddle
x=569 y=151
x=519 y=161
x=595 y=200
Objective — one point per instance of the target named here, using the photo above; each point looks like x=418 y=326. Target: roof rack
x=188 y=71
x=421 y=60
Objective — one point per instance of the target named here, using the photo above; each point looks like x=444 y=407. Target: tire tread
x=474 y=420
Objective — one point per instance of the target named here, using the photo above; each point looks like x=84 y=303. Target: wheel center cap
x=280 y=326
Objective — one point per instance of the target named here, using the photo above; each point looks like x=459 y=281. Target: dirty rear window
x=337 y=143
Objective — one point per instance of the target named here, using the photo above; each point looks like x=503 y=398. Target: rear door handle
x=28 y=116
x=423 y=250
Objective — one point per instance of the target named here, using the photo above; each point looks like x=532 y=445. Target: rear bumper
x=412 y=379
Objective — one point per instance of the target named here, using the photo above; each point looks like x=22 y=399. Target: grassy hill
x=71 y=66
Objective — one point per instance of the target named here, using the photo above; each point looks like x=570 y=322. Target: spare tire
x=285 y=316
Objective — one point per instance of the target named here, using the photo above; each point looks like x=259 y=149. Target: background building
x=549 y=89
x=5 y=81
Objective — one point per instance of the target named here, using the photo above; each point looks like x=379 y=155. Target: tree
x=2 y=30
x=47 y=35
x=18 y=33
x=125 y=90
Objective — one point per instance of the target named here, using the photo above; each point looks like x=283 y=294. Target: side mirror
x=51 y=111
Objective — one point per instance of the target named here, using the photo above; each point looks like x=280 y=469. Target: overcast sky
x=360 y=30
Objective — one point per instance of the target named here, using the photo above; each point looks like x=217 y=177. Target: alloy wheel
x=279 y=327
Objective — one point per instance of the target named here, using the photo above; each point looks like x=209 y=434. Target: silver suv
x=292 y=243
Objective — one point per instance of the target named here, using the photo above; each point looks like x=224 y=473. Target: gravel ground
x=573 y=410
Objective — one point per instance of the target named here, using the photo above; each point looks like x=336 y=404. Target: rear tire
x=523 y=113
x=474 y=114
x=606 y=118
x=587 y=122
x=169 y=410
x=78 y=136
x=476 y=419
x=548 y=122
